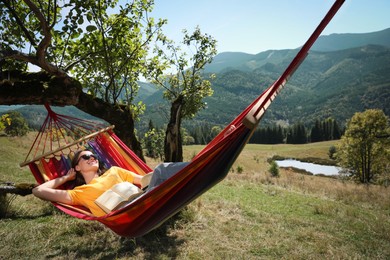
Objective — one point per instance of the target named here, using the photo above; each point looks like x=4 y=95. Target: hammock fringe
x=75 y=142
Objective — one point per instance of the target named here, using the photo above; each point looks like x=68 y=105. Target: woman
x=92 y=181
x=85 y=169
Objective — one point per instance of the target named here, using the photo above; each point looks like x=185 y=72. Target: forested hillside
x=334 y=83
x=328 y=83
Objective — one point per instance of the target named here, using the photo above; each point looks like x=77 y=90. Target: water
x=310 y=167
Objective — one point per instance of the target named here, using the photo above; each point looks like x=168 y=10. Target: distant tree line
x=363 y=150
x=203 y=133
x=298 y=133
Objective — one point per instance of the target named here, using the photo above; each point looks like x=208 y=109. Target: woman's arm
x=48 y=191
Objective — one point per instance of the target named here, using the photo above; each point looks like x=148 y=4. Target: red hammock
x=147 y=212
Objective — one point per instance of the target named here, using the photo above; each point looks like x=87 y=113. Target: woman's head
x=84 y=162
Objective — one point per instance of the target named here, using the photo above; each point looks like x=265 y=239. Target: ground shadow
x=159 y=242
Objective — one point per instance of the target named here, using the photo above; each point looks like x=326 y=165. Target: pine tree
x=316 y=132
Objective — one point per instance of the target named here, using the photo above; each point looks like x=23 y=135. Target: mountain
x=145 y=90
x=352 y=77
x=343 y=74
x=328 y=84
x=4 y=109
x=247 y=62
x=335 y=42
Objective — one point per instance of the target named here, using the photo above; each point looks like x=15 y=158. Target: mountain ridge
x=334 y=83
x=325 y=43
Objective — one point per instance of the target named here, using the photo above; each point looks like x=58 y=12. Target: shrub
x=274 y=169
x=18 y=125
x=332 y=152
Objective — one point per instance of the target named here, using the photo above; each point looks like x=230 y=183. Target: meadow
x=248 y=215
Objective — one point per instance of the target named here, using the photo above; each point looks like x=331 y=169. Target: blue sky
x=253 y=26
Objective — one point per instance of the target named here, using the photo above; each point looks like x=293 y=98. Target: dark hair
x=79 y=177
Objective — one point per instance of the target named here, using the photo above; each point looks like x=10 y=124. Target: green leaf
x=80 y=20
x=91 y=28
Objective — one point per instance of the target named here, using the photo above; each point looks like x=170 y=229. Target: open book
x=119 y=195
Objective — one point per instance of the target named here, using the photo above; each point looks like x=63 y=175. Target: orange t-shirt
x=85 y=195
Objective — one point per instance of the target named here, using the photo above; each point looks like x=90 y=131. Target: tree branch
x=18 y=87
x=17 y=55
x=22 y=189
x=45 y=42
x=20 y=23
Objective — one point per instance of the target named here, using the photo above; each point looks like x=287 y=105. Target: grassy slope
x=248 y=215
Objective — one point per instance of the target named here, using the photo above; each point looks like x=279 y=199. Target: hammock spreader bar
x=54 y=134
x=208 y=168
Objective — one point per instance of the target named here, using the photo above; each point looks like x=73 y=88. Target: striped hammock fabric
x=147 y=212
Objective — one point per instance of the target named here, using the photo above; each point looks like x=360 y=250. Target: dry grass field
x=249 y=215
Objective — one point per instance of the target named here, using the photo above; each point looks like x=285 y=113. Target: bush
x=18 y=125
x=274 y=169
x=332 y=152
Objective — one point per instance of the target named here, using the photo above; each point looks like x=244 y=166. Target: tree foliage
x=186 y=87
x=73 y=36
x=204 y=132
x=325 y=130
x=364 y=148
x=274 y=169
x=113 y=54
x=16 y=124
x=103 y=45
x=153 y=142
x=268 y=135
x=5 y=120
x=297 y=134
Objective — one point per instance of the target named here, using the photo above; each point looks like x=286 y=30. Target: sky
x=253 y=26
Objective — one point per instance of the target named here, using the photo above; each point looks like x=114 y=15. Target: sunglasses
x=87 y=157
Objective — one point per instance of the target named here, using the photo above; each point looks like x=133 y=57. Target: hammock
x=60 y=136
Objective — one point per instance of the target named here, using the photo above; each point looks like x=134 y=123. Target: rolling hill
x=337 y=83
x=343 y=74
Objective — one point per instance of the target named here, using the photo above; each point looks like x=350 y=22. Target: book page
x=126 y=189
x=109 y=200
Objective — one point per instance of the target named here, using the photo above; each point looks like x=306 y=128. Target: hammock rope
x=59 y=132
x=207 y=168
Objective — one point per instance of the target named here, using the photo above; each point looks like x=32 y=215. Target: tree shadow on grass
x=92 y=240
x=48 y=209
x=156 y=244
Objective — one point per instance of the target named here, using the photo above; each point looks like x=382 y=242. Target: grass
x=249 y=215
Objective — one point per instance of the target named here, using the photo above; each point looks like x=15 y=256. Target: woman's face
x=87 y=162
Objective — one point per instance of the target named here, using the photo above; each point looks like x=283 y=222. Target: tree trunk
x=173 y=147
x=120 y=116
x=22 y=88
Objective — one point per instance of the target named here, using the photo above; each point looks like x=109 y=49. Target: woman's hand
x=49 y=191
x=70 y=175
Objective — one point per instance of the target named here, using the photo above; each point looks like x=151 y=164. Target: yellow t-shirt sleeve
x=85 y=195
x=125 y=175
